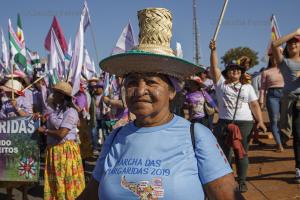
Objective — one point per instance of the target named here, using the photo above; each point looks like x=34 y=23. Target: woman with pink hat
x=289 y=64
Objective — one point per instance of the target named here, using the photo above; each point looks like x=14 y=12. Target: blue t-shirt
x=289 y=70
x=159 y=162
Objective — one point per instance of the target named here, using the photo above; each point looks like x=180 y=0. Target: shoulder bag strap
x=237 y=101
x=192 y=132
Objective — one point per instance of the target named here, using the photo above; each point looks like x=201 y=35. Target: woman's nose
x=141 y=88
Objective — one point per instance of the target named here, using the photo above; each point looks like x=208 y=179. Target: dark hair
x=285 y=52
x=269 y=63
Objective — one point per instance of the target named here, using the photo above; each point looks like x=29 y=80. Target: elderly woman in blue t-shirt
x=153 y=157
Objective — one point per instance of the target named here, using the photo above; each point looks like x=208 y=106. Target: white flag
x=89 y=66
x=179 y=52
x=58 y=56
x=77 y=57
x=4 y=56
x=126 y=41
x=86 y=18
x=70 y=47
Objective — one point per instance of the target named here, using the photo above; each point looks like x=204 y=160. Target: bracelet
x=18 y=109
x=46 y=132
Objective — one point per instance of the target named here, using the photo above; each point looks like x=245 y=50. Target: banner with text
x=19 y=149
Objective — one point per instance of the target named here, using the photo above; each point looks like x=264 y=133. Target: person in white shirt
x=233 y=94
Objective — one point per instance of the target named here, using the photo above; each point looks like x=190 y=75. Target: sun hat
x=296 y=37
x=153 y=54
x=231 y=67
x=93 y=79
x=64 y=88
x=197 y=80
x=12 y=85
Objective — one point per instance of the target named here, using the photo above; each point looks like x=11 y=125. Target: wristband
x=46 y=131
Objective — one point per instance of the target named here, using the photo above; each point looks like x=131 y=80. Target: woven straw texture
x=64 y=88
x=155 y=30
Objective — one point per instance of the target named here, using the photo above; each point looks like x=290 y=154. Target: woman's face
x=234 y=74
x=58 y=98
x=293 y=47
x=148 y=94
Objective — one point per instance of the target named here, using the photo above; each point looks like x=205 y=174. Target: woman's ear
x=172 y=94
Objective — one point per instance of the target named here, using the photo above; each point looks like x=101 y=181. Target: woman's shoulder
x=71 y=111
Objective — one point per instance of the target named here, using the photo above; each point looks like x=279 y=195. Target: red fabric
x=59 y=34
x=234 y=139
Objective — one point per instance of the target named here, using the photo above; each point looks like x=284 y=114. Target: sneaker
x=297 y=177
x=243 y=187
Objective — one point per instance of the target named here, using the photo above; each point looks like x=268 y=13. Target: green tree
x=235 y=53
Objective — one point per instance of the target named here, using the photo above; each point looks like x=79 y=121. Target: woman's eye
x=131 y=83
x=151 y=82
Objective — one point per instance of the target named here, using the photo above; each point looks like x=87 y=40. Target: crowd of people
x=155 y=128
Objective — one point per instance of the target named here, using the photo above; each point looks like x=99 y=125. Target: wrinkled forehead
x=148 y=75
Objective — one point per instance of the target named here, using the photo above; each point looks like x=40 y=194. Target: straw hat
x=153 y=54
x=63 y=87
x=12 y=85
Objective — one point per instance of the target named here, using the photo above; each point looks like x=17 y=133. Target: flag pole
x=94 y=41
x=12 y=80
x=37 y=80
x=220 y=20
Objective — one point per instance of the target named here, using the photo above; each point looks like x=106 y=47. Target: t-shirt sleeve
x=70 y=119
x=212 y=163
x=99 y=168
x=220 y=82
x=252 y=95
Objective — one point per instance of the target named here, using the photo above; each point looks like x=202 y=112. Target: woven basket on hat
x=153 y=54
x=63 y=87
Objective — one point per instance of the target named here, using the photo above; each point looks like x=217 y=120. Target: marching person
x=270 y=95
x=64 y=175
x=14 y=106
x=289 y=64
x=237 y=102
x=153 y=156
x=196 y=99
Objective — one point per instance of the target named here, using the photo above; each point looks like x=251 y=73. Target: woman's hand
x=212 y=45
x=41 y=129
x=261 y=126
x=106 y=100
x=14 y=103
x=262 y=106
x=36 y=116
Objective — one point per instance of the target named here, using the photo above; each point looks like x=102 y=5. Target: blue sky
x=246 y=22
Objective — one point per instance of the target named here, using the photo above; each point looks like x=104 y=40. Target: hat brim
x=61 y=91
x=143 y=62
x=224 y=72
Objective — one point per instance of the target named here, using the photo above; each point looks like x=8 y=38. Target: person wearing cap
x=153 y=156
x=270 y=94
x=16 y=106
x=13 y=105
x=195 y=100
x=97 y=123
x=289 y=65
x=82 y=104
x=237 y=102
x=64 y=175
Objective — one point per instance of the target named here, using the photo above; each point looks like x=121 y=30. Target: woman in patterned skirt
x=64 y=175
